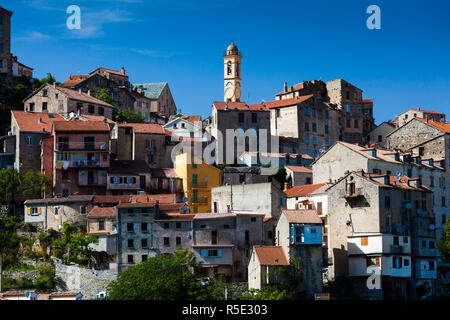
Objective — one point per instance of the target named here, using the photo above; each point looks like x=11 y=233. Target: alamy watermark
x=374 y=20
x=74 y=20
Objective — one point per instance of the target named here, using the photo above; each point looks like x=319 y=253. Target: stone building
x=378 y=135
x=264 y=266
x=429 y=142
x=161 y=98
x=387 y=223
x=266 y=198
x=10 y=67
x=166 y=180
x=146 y=109
x=144 y=141
x=298 y=175
x=116 y=82
x=136 y=239
x=299 y=233
x=173 y=230
x=309 y=119
x=408 y=115
x=101 y=222
x=52 y=213
x=232 y=74
x=28 y=130
x=128 y=177
x=222 y=242
x=54 y=99
x=185 y=126
x=244 y=123
x=81 y=157
x=244 y=175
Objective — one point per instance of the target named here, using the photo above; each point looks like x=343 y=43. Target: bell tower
x=232 y=74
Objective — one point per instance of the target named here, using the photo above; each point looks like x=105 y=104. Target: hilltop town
x=251 y=189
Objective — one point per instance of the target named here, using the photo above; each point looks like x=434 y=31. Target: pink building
x=82 y=157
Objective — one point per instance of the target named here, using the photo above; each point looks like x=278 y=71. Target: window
x=144 y=257
x=306 y=126
x=430 y=265
x=166 y=241
x=91 y=108
x=241 y=117
x=166 y=225
x=215 y=207
x=130 y=243
x=1 y=34
x=397 y=262
x=130 y=258
x=326 y=129
x=253 y=219
x=65 y=174
x=424 y=244
x=306 y=140
x=29 y=140
x=372 y=261
x=101 y=111
x=101 y=225
x=178 y=225
x=31 y=104
x=144 y=227
x=364 y=241
x=443 y=202
x=406 y=262
x=314 y=127
x=29 y=155
x=431 y=245
x=254 y=117
x=178 y=241
x=45 y=93
x=214 y=237
x=356 y=123
x=130 y=227
x=83 y=210
x=387 y=202
x=44 y=106
x=65 y=192
x=194 y=180
x=144 y=243
x=396 y=241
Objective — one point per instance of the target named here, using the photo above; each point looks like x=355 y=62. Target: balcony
x=426 y=274
x=356 y=193
x=94 y=163
x=200 y=200
x=397 y=249
x=82 y=146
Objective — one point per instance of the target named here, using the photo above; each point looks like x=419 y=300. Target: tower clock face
x=229 y=91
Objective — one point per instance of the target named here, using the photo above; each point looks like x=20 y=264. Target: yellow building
x=198 y=179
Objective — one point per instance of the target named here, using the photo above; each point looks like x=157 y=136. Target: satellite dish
x=408 y=205
x=27 y=294
x=399 y=229
x=185 y=199
x=186 y=208
x=113 y=229
x=399 y=175
x=431 y=226
x=206 y=179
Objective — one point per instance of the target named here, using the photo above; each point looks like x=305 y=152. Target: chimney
x=285 y=186
x=89 y=92
x=79 y=91
x=123 y=70
x=70 y=77
x=285 y=86
x=54 y=84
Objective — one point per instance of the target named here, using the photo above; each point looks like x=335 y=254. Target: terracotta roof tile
x=175 y=216
x=302 y=216
x=137 y=204
x=77 y=125
x=299 y=191
x=221 y=105
x=442 y=126
x=102 y=212
x=302 y=169
x=76 y=95
x=35 y=121
x=284 y=102
x=271 y=256
x=144 y=127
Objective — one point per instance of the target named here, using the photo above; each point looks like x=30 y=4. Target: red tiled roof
x=115 y=199
x=193 y=119
x=144 y=127
x=13 y=293
x=102 y=212
x=35 y=121
x=271 y=256
x=213 y=215
x=307 y=189
x=302 y=216
x=77 y=125
x=442 y=126
x=137 y=204
x=296 y=87
x=171 y=206
x=221 y=105
x=76 y=95
x=394 y=183
x=110 y=71
x=284 y=102
x=367 y=100
x=73 y=80
x=299 y=169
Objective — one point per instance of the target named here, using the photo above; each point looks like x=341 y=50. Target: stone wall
x=88 y=282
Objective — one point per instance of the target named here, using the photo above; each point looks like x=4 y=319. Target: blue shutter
x=204 y=252
x=219 y=252
x=292 y=233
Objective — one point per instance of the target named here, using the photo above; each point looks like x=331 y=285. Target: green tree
x=9 y=241
x=73 y=246
x=35 y=184
x=270 y=292
x=163 y=278
x=129 y=116
x=104 y=95
x=10 y=187
x=48 y=79
x=444 y=243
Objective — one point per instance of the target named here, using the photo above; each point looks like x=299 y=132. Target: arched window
x=237 y=69
x=352 y=189
x=228 y=68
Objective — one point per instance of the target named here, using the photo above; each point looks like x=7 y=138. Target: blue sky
x=405 y=64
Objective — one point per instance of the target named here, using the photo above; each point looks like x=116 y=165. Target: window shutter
x=219 y=252
x=204 y=252
x=292 y=234
x=39 y=210
x=28 y=211
x=32 y=140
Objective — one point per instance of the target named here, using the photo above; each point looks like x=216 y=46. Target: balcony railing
x=397 y=249
x=81 y=145
x=358 y=192
x=85 y=163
